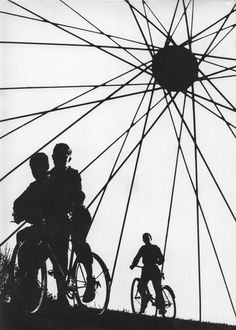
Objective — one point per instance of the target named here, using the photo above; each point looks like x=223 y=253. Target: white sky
x=41 y=65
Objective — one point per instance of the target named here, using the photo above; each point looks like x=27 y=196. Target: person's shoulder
x=32 y=185
x=72 y=171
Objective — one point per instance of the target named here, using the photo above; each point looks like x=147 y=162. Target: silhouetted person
x=30 y=207
x=68 y=214
x=151 y=256
x=35 y=207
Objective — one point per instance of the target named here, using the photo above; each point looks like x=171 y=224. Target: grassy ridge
x=73 y=319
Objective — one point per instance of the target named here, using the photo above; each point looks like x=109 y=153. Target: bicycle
x=152 y=309
x=74 y=282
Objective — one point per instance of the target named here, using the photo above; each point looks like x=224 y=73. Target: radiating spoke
x=187 y=24
x=135 y=147
x=213 y=33
x=73 y=34
x=225 y=17
x=189 y=95
x=131 y=186
x=204 y=161
x=73 y=27
x=61 y=107
x=140 y=28
x=116 y=140
x=218 y=91
x=100 y=31
x=154 y=15
x=66 y=129
x=180 y=19
x=99 y=101
x=206 y=224
x=126 y=48
x=148 y=27
x=217 y=108
x=215 y=102
x=121 y=149
x=197 y=206
x=179 y=136
x=150 y=22
x=73 y=86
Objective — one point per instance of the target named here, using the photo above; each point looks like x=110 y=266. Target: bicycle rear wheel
x=169 y=298
x=102 y=287
x=28 y=289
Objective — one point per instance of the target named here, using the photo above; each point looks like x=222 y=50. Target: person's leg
x=59 y=247
x=156 y=281
x=142 y=288
x=84 y=254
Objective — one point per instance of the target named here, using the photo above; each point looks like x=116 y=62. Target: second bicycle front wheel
x=169 y=299
x=102 y=284
x=28 y=277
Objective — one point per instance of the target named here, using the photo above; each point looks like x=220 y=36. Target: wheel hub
x=175 y=68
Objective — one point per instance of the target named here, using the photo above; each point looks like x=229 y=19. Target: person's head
x=39 y=165
x=147 y=238
x=61 y=155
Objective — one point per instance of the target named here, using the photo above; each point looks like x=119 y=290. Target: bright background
x=44 y=65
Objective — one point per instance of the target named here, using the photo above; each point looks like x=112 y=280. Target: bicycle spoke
x=225 y=17
x=73 y=34
x=63 y=131
x=179 y=136
x=74 y=27
x=150 y=22
x=206 y=164
x=100 y=31
x=120 y=151
x=61 y=107
x=132 y=151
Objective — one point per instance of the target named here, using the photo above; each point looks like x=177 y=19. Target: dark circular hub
x=175 y=68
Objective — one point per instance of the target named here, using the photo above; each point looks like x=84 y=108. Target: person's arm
x=21 y=206
x=160 y=257
x=136 y=259
x=78 y=193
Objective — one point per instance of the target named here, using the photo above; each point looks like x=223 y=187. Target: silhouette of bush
x=5 y=258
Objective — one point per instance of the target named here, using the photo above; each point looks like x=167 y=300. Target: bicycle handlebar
x=162 y=274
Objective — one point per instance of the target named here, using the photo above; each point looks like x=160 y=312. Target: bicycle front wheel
x=135 y=297
x=102 y=285
x=169 y=299
x=28 y=278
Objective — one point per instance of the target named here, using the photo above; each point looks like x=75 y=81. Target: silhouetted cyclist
x=151 y=256
x=68 y=214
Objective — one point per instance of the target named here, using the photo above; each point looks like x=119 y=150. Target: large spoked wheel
x=102 y=287
x=169 y=298
x=27 y=290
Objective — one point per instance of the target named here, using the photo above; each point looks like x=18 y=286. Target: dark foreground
x=73 y=319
